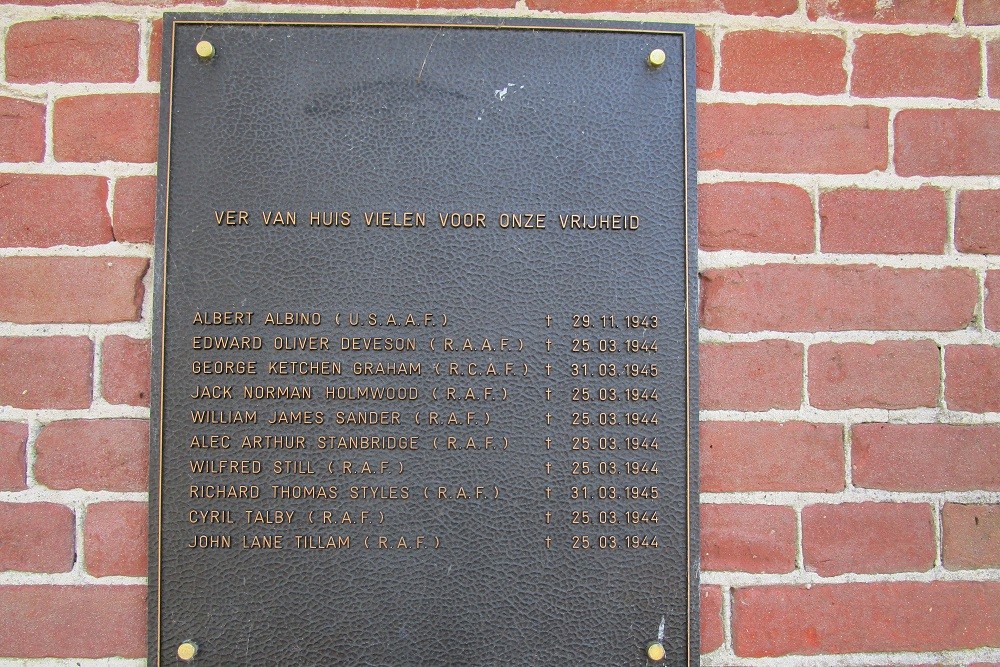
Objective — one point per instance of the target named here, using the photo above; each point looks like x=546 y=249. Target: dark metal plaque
x=425 y=373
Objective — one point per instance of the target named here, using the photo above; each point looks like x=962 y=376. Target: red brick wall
x=850 y=235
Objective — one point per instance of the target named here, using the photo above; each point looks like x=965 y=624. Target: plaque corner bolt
x=655 y=652
x=205 y=49
x=187 y=651
x=657 y=57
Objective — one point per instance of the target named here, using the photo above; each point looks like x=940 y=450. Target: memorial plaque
x=424 y=362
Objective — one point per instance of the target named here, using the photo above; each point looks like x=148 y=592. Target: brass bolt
x=188 y=650
x=204 y=49
x=655 y=651
x=657 y=57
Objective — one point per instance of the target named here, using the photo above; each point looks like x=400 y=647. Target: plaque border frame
x=440 y=21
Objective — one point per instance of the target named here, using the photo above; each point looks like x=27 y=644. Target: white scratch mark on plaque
x=502 y=93
x=663 y=625
x=428 y=54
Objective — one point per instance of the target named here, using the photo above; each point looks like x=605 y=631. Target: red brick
x=867 y=538
x=590 y=6
x=705 y=58
x=982 y=12
x=781 y=297
x=971 y=536
x=748 y=538
x=744 y=7
x=711 y=618
x=13 y=456
x=409 y=4
x=888 y=374
x=958 y=142
x=765 y=456
x=37 y=537
x=73 y=621
x=972 y=378
x=865 y=618
x=925 y=457
x=125 y=370
x=443 y=4
x=49 y=372
x=751 y=376
x=790 y=139
x=114 y=539
x=155 y=51
x=135 y=3
x=93 y=128
x=135 y=209
x=97 y=290
x=22 y=130
x=42 y=210
x=759 y=217
x=977 y=221
x=992 y=309
x=95 y=455
x=761 y=7
x=916 y=66
x=874 y=11
x=783 y=62
x=67 y=50
x=883 y=221
x=993 y=67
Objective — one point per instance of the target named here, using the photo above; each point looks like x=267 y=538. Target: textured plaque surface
x=425 y=375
